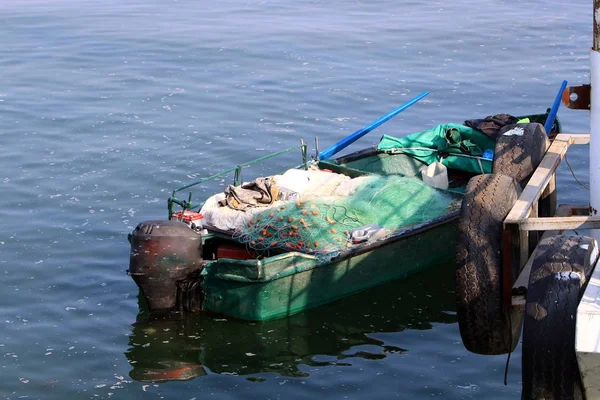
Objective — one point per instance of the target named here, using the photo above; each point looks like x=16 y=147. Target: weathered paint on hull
x=258 y=291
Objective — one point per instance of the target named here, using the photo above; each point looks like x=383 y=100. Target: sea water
x=107 y=106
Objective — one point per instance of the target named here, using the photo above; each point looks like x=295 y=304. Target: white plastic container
x=436 y=175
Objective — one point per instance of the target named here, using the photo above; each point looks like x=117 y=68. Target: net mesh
x=323 y=224
x=386 y=164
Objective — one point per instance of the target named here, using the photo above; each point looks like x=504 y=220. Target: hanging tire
x=486 y=325
x=519 y=150
x=560 y=270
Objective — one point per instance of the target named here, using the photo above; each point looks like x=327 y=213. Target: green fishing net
x=324 y=224
x=385 y=164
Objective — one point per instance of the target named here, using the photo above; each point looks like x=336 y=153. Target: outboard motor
x=163 y=253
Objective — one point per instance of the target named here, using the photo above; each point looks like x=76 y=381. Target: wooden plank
x=577 y=138
x=563 y=210
x=547 y=223
x=532 y=192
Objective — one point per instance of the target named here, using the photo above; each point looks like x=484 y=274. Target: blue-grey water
x=106 y=106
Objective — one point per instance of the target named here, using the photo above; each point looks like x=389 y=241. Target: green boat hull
x=260 y=290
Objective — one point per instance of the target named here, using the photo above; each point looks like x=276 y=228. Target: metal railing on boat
x=237 y=178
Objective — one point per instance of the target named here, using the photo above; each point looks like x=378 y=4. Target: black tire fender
x=519 y=150
x=486 y=325
x=559 y=273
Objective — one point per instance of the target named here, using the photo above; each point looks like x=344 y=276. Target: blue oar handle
x=554 y=109
x=348 y=140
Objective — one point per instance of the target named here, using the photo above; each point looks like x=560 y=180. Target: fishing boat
x=319 y=231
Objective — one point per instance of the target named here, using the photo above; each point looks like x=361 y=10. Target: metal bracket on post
x=577 y=97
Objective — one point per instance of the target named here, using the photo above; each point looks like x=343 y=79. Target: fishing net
x=388 y=164
x=323 y=224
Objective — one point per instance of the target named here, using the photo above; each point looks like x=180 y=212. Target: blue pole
x=554 y=109
x=348 y=140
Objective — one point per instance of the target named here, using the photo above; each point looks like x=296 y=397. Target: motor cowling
x=163 y=253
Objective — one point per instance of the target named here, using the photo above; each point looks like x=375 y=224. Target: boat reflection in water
x=184 y=346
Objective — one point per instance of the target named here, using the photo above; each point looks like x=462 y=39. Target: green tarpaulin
x=456 y=146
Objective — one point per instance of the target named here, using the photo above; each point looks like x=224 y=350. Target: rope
x=573 y=173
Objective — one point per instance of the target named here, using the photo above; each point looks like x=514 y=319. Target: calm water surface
x=106 y=106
